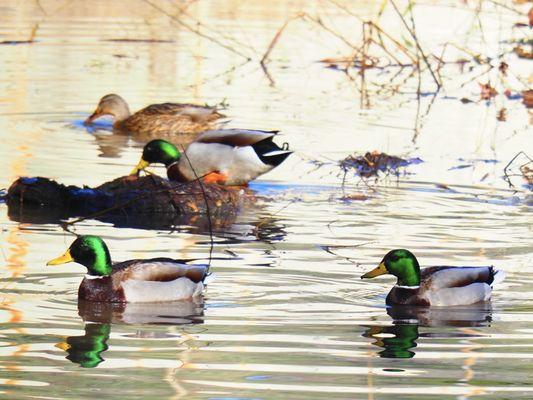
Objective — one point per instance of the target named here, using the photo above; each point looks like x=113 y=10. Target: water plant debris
x=371 y=163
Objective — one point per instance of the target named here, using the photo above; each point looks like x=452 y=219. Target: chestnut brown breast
x=100 y=289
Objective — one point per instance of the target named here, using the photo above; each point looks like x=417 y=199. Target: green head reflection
x=396 y=341
x=86 y=350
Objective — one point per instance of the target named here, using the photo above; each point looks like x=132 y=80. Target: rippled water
x=287 y=316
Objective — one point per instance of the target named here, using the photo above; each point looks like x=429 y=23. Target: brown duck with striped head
x=147 y=280
x=166 y=119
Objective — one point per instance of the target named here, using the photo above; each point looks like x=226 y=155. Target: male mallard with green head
x=435 y=286
x=157 y=119
x=227 y=156
x=149 y=280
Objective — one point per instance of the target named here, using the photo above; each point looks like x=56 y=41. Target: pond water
x=287 y=315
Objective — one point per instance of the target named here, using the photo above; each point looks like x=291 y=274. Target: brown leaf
x=527 y=98
x=487 y=91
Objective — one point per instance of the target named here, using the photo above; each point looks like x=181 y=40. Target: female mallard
x=227 y=156
x=435 y=286
x=157 y=119
x=150 y=280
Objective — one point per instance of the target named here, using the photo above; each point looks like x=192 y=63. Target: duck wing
x=452 y=286
x=157 y=269
x=235 y=137
x=195 y=112
x=435 y=278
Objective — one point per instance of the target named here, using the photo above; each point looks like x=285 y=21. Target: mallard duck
x=435 y=286
x=136 y=281
x=227 y=156
x=157 y=119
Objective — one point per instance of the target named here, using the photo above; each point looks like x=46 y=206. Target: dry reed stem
x=276 y=37
x=197 y=32
x=415 y=38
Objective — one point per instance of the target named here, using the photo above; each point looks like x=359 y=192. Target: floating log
x=146 y=202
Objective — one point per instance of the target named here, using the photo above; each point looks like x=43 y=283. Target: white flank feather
x=240 y=164
x=136 y=291
x=464 y=295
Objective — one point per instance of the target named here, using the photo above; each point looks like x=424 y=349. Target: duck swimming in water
x=136 y=281
x=157 y=119
x=435 y=286
x=227 y=156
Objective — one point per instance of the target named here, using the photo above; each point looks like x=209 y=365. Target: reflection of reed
x=171 y=374
x=469 y=362
x=20 y=349
x=16 y=263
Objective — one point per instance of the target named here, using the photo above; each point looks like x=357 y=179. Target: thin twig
x=208 y=211
x=415 y=38
x=276 y=37
x=196 y=31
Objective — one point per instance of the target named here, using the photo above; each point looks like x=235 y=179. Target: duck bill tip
x=91 y=118
x=139 y=167
x=63 y=346
x=62 y=259
x=379 y=270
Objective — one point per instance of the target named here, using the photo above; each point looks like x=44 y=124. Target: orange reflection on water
x=18 y=250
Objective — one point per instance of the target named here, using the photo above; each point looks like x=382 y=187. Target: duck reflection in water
x=399 y=339
x=86 y=350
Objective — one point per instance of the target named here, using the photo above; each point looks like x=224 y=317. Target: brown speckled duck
x=135 y=281
x=157 y=119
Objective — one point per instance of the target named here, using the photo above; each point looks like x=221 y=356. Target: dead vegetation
x=521 y=165
x=373 y=163
x=390 y=64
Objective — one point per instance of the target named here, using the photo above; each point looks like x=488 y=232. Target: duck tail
x=270 y=153
x=496 y=276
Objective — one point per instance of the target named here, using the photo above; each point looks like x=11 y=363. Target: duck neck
x=174 y=173
x=100 y=264
x=121 y=112
x=410 y=277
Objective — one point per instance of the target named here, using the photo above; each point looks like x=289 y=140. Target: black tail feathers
x=270 y=153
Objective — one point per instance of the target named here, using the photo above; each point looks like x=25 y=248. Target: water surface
x=285 y=318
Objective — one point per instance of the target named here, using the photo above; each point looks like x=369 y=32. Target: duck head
x=402 y=264
x=157 y=152
x=89 y=251
x=110 y=104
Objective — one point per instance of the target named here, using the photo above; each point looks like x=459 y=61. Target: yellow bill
x=379 y=270
x=63 y=346
x=65 y=258
x=142 y=165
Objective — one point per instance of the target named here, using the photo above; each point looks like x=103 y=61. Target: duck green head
x=157 y=151
x=402 y=264
x=89 y=251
